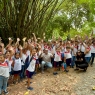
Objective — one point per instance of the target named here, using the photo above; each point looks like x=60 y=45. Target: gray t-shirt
x=46 y=57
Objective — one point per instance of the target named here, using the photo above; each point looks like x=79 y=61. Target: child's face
x=33 y=52
x=24 y=51
x=8 y=54
x=2 y=59
x=76 y=43
x=17 y=55
x=58 y=50
x=68 y=49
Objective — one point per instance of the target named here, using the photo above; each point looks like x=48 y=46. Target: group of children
x=18 y=61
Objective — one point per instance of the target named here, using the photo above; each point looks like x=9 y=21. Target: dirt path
x=71 y=83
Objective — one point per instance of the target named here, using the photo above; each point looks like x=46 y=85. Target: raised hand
x=20 y=47
x=18 y=39
x=10 y=40
x=29 y=41
x=24 y=39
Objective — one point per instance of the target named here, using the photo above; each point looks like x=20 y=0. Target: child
x=16 y=67
x=57 y=60
x=4 y=74
x=37 y=62
x=9 y=61
x=92 y=52
x=87 y=52
x=30 y=68
x=67 y=56
x=23 y=58
x=74 y=51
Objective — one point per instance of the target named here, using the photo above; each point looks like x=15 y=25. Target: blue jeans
x=87 y=59
x=48 y=64
x=73 y=61
x=3 y=83
x=64 y=65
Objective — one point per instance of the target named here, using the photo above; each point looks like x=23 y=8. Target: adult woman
x=80 y=61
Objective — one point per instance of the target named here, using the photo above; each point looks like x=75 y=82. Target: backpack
x=27 y=62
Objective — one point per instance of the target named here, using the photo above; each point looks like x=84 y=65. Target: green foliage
x=58 y=18
x=74 y=17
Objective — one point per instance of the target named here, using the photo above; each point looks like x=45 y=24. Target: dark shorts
x=16 y=72
x=57 y=64
x=11 y=73
x=29 y=74
x=40 y=60
x=37 y=61
x=68 y=62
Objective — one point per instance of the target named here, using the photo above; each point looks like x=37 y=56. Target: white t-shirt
x=57 y=57
x=82 y=48
x=24 y=56
x=17 y=64
x=89 y=53
x=74 y=51
x=67 y=55
x=9 y=63
x=46 y=57
x=4 y=69
x=92 y=49
x=31 y=66
x=63 y=49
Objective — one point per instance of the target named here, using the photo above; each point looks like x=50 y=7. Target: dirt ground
x=71 y=83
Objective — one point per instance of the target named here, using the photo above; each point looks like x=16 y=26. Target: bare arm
x=24 y=39
x=34 y=37
x=10 y=42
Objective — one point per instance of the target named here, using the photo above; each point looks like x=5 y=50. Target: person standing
x=4 y=74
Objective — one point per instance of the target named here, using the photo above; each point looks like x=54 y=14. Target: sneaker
x=30 y=88
x=66 y=70
x=55 y=73
x=6 y=92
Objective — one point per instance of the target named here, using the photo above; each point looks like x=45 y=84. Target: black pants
x=78 y=63
x=81 y=64
x=92 y=58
